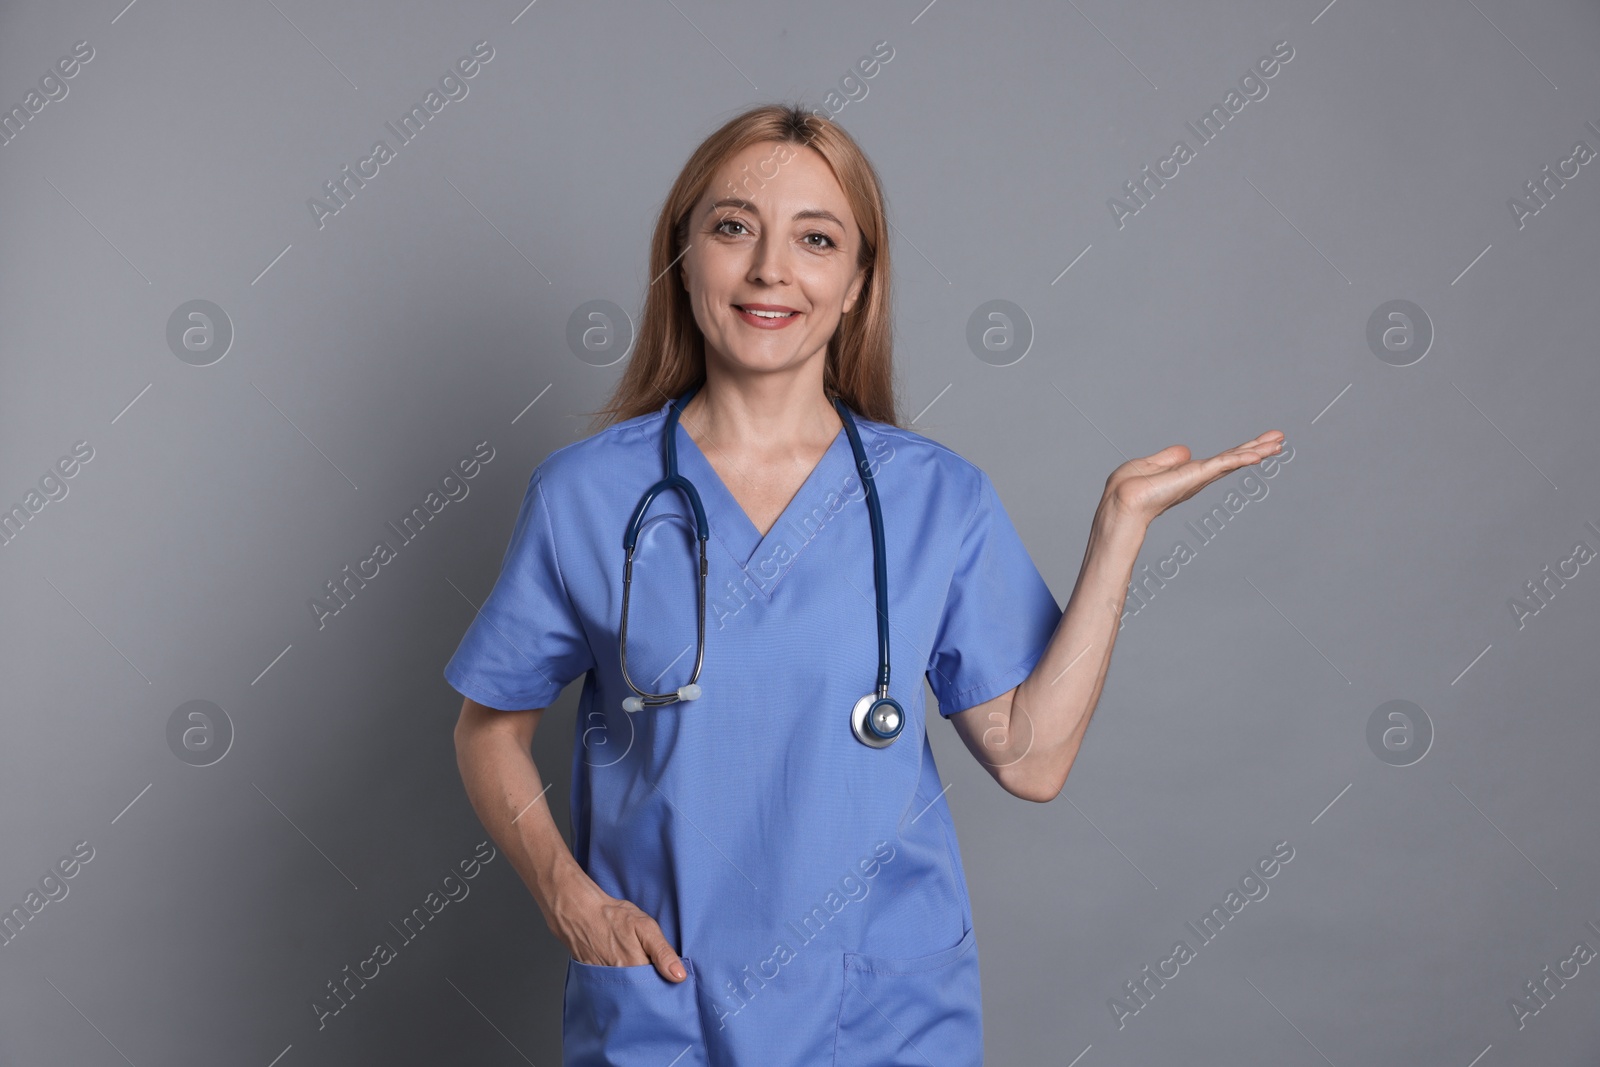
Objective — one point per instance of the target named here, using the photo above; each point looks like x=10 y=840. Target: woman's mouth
x=766 y=316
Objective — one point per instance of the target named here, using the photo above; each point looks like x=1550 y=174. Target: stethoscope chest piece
x=877 y=721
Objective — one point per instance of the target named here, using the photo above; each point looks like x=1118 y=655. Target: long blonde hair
x=669 y=355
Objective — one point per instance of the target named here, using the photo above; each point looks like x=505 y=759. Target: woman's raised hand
x=1145 y=487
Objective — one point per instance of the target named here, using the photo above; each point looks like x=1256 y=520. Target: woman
x=762 y=872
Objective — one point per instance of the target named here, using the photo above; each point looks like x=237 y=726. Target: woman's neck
x=769 y=415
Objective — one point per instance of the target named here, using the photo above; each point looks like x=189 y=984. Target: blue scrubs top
x=811 y=884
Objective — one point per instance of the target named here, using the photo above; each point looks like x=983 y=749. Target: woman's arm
x=1028 y=737
x=494 y=755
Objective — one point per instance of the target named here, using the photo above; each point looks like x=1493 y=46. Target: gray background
x=431 y=311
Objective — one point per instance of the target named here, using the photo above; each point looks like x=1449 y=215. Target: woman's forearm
x=506 y=791
x=1050 y=709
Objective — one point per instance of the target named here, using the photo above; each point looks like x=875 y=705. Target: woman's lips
x=765 y=322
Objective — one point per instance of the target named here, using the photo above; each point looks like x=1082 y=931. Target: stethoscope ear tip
x=685 y=692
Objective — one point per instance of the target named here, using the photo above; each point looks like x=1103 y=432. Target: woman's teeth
x=769 y=314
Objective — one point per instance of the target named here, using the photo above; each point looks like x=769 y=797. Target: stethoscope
x=877 y=718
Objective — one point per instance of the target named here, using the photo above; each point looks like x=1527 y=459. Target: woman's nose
x=769 y=261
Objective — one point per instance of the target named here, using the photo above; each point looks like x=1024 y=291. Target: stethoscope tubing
x=880 y=568
x=675 y=480
x=630 y=538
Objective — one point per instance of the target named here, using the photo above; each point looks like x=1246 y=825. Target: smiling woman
x=754 y=768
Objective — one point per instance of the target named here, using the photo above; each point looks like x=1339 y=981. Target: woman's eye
x=824 y=236
x=728 y=222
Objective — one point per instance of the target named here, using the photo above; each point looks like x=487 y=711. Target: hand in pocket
x=603 y=931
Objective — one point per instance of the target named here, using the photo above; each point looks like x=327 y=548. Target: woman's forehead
x=772 y=175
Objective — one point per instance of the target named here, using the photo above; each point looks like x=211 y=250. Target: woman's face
x=773 y=232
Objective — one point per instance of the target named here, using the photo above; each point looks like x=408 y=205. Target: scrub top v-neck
x=811 y=884
x=738 y=535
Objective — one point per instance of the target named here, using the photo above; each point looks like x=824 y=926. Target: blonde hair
x=669 y=355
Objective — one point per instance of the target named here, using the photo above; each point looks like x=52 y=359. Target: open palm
x=1149 y=485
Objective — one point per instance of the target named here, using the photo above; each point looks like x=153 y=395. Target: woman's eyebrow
x=808 y=213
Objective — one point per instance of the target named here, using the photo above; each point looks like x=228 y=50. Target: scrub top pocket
x=630 y=1017
x=912 y=1012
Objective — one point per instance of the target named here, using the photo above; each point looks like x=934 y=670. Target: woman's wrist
x=559 y=878
x=569 y=895
x=1119 y=524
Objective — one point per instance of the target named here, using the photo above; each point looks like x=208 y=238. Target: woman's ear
x=856 y=286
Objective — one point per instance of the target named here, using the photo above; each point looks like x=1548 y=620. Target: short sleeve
x=527 y=642
x=999 y=614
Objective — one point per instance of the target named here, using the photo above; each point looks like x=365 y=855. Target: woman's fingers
x=1263 y=444
x=661 y=954
x=1260 y=446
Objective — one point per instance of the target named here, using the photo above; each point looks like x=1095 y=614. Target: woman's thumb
x=666 y=960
